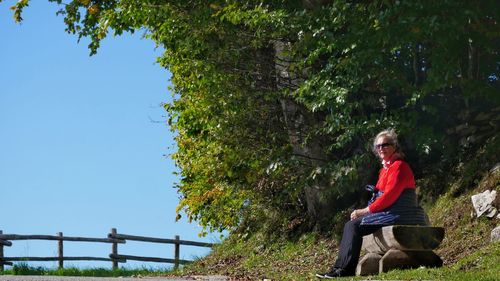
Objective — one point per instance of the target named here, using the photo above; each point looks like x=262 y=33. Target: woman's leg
x=350 y=245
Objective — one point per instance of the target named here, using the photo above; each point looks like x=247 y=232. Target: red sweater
x=393 y=179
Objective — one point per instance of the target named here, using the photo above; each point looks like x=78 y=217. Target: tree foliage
x=276 y=101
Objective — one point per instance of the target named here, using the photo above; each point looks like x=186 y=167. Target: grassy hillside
x=302 y=259
x=466 y=250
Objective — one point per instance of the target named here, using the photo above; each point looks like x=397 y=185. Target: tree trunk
x=300 y=123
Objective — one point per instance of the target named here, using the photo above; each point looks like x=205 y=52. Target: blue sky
x=80 y=151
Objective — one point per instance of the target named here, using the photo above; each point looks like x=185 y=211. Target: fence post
x=1 y=254
x=114 y=249
x=177 y=251
x=60 y=250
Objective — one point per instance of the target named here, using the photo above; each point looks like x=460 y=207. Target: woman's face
x=384 y=147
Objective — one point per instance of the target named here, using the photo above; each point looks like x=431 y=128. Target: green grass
x=482 y=265
x=25 y=269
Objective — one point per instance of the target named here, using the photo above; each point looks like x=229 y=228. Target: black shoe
x=334 y=273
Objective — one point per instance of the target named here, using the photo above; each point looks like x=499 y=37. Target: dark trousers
x=350 y=245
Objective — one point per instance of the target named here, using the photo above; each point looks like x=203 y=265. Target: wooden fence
x=113 y=238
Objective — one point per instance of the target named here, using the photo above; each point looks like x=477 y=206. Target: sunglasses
x=383 y=145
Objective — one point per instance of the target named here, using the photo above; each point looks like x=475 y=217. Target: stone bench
x=400 y=246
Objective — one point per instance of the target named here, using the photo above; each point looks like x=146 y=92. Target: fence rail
x=113 y=238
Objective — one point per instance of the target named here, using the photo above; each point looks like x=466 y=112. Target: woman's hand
x=359 y=213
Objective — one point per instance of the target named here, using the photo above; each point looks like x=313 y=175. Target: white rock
x=482 y=202
x=495 y=234
x=492 y=213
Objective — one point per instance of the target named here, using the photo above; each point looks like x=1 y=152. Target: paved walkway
x=71 y=278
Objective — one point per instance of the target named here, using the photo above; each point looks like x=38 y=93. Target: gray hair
x=393 y=136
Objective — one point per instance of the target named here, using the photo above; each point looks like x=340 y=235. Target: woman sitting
x=394 y=202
